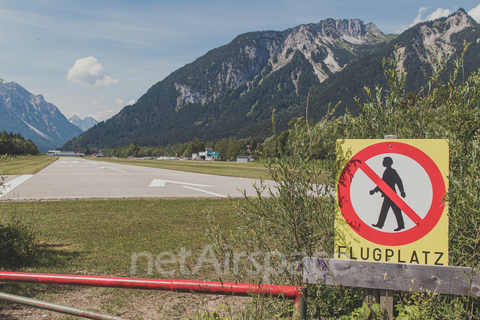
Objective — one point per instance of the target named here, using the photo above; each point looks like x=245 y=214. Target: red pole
x=296 y=293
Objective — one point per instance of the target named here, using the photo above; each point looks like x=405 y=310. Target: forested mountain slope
x=232 y=90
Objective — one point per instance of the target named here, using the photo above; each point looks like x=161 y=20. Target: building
x=244 y=158
x=59 y=153
x=208 y=155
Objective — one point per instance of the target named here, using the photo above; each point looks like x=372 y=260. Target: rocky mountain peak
x=84 y=124
x=437 y=37
x=460 y=20
x=373 y=28
x=33 y=117
x=344 y=27
x=4 y=82
x=328 y=46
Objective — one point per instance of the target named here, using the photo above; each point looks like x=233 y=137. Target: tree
x=253 y=145
x=190 y=149
x=221 y=148
x=16 y=144
x=198 y=145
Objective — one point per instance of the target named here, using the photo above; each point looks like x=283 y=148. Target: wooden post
x=371 y=296
x=382 y=297
x=386 y=301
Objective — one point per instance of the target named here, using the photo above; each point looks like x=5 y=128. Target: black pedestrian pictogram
x=391 y=178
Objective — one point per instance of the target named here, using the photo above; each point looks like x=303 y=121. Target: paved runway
x=75 y=178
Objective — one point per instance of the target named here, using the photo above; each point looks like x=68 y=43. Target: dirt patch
x=131 y=304
x=52 y=245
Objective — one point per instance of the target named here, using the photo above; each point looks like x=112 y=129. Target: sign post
x=390 y=204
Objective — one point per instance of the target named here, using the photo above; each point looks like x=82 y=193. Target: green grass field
x=106 y=237
x=100 y=235
x=25 y=164
x=253 y=170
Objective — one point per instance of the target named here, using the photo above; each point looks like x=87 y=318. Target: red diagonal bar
x=389 y=192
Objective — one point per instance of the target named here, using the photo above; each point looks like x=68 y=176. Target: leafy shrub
x=17 y=245
x=298 y=214
x=17 y=241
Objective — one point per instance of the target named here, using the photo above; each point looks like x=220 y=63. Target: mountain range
x=33 y=117
x=84 y=124
x=232 y=90
x=418 y=46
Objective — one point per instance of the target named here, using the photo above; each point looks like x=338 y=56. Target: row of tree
x=228 y=149
x=11 y=143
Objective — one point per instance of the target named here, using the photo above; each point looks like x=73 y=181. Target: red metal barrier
x=296 y=293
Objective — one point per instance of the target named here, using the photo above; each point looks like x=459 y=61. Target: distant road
x=74 y=178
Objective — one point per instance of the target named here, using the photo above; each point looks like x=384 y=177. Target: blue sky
x=91 y=58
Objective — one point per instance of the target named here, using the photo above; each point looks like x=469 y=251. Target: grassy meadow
x=98 y=237
x=25 y=164
x=252 y=170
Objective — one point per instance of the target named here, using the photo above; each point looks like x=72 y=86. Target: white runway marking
x=9 y=186
x=161 y=183
x=111 y=169
x=212 y=193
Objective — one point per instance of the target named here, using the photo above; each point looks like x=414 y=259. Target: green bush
x=17 y=241
x=297 y=216
x=17 y=245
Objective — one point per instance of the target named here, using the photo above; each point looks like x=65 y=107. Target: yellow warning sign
x=390 y=204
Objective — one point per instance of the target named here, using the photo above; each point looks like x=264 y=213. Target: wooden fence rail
x=380 y=279
x=392 y=276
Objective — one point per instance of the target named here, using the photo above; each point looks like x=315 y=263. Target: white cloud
x=418 y=18
x=475 y=13
x=105 y=81
x=89 y=71
x=440 y=12
x=106 y=114
x=120 y=102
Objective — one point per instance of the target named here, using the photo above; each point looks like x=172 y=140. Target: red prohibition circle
x=422 y=227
